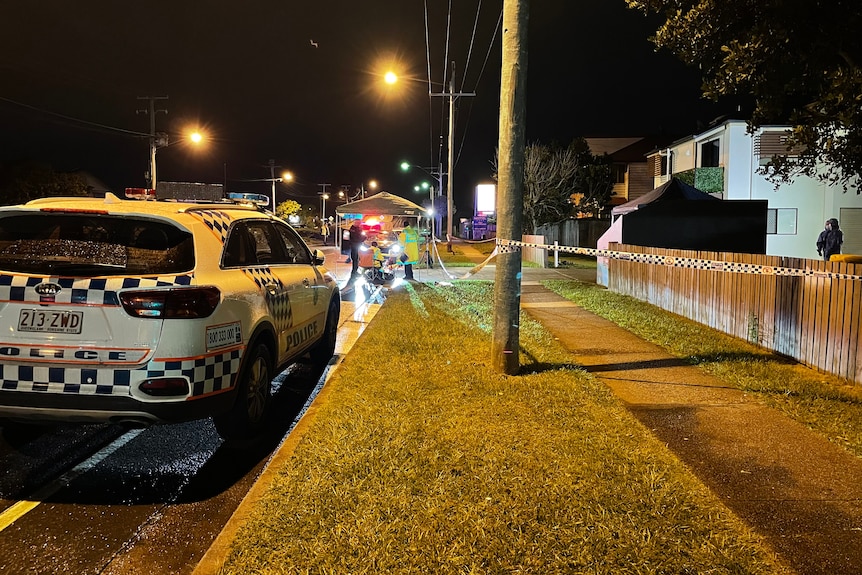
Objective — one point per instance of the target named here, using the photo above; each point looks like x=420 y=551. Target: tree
x=557 y=179
x=287 y=208
x=798 y=60
x=594 y=185
x=22 y=182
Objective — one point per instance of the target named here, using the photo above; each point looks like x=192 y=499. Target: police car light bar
x=249 y=198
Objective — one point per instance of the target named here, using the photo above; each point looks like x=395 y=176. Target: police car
x=141 y=312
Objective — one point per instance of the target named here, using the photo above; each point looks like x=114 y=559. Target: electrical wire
x=481 y=73
x=76 y=120
x=472 y=41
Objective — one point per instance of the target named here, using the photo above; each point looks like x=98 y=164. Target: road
x=102 y=499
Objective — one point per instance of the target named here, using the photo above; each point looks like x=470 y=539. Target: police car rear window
x=92 y=245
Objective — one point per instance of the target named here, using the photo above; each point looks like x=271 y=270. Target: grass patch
x=425 y=460
x=824 y=403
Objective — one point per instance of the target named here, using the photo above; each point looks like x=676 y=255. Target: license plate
x=48 y=321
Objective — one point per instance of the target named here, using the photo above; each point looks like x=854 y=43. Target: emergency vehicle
x=142 y=312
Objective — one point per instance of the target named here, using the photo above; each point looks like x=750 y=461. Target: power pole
x=452 y=95
x=505 y=344
x=156 y=141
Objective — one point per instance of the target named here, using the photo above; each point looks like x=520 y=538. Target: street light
x=437 y=175
x=371 y=185
x=392 y=78
x=323 y=198
x=285 y=177
x=162 y=140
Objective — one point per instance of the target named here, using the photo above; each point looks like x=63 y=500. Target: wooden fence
x=814 y=320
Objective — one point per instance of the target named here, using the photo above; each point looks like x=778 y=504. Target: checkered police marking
x=218 y=222
x=85 y=291
x=206 y=374
x=508 y=246
x=46 y=379
x=275 y=294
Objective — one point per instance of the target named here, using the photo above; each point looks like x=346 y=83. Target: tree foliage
x=560 y=182
x=25 y=181
x=798 y=59
x=287 y=208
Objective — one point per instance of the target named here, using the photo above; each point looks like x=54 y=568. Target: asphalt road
x=102 y=499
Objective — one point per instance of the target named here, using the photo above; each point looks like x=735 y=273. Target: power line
x=77 y=120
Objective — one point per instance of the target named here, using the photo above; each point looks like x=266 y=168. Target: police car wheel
x=322 y=352
x=247 y=417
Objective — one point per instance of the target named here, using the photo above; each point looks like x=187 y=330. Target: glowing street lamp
x=285 y=177
x=323 y=198
x=162 y=140
x=391 y=78
x=372 y=185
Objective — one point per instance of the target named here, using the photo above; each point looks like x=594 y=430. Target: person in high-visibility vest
x=409 y=240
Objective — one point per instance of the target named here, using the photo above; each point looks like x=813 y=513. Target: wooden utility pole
x=505 y=342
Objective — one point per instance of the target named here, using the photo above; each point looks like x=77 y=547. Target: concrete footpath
x=802 y=493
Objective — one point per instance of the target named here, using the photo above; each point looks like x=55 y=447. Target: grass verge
x=823 y=403
x=425 y=460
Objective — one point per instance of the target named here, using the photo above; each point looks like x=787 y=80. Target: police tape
x=510 y=246
x=472 y=271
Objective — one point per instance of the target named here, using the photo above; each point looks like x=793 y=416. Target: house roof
x=601 y=146
x=383 y=204
x=625 y=150
x=672 y=190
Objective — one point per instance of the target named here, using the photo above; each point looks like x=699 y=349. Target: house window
x=781 y=221
x=769 y=144
x=709 y=153
x=619 y=172
x=659 y=163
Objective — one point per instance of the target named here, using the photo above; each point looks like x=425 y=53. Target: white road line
x=21 y=508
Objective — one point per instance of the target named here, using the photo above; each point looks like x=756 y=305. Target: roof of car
x=113 y=204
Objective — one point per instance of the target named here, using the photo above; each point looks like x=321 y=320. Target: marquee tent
x=382 y=204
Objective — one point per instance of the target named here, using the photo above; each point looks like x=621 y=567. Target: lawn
x=437 y=464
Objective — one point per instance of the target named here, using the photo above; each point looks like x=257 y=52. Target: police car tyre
x=247 y=417
x=323 y=351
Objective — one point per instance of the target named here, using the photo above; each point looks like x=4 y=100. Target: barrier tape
x=510 y=246
x=472 y=270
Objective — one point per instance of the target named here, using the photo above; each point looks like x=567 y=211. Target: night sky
x=247 y=73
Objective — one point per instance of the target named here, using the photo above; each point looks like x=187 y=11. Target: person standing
x=356 y=239
x=409 y=240
x=324 y=231
x=830 y=239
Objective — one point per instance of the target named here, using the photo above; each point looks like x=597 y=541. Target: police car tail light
x=183 y=303
x=165 y=386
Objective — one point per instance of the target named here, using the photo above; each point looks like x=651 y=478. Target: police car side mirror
x=318 y=257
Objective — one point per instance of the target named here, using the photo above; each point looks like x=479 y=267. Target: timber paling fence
x=813 y=317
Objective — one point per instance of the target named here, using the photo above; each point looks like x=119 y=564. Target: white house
x=724 y=161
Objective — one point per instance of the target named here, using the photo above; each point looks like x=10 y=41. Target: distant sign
x=480 y=227
x=486 y=198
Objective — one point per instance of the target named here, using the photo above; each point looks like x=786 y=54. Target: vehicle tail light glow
x=180 y=303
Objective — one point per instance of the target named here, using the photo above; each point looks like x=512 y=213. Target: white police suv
x=143 y=312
